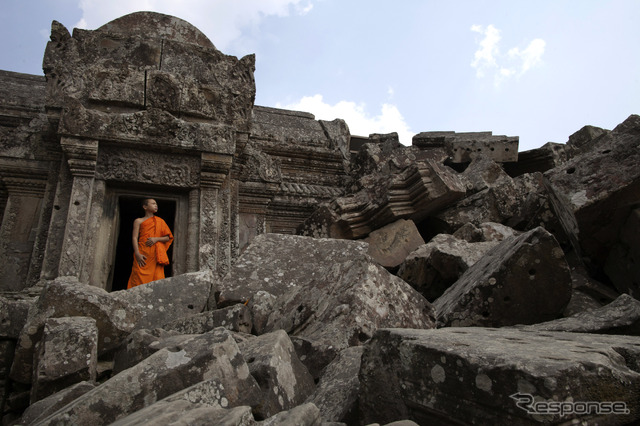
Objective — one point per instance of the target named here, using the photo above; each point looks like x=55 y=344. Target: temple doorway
x=129 y=208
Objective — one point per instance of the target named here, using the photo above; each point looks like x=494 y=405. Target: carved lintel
x=28 y=178
x=81 y=154
x=214 y=169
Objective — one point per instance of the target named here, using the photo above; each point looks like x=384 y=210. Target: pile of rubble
x=441 y=289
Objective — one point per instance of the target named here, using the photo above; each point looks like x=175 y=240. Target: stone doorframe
x=109 y=225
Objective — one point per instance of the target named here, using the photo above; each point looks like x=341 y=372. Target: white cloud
x=485 y=56
x=223 y=21
x=516 y=62
x=359 y=121
x=530 y=56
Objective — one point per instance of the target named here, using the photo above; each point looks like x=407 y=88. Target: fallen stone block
x=169 y=299
x=43 y=408
x=523 y=280
x=327 y=291
x=391 y=244
x=66 y=297
x=622 y=265
x=407 y=189
x=184 y=412
x=463 y=147
x=595 y=193
x=336 y=395
x=212 y=357
x=13 y=316
x=483 y=173
x=234 y=318
x=66 y=354
x=315 y=356
x=622 y=316
x=302 y=415
x=201 y=404
x=497 y=376
x=435 y=266
x=580 y=302
x=276 y=263
x=143 y=343
x=522 y=204
x=285 y=382
x=485 y=232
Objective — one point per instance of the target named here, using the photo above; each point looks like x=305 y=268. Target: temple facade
x=147 y=106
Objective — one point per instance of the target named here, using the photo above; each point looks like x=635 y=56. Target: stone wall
x=147 y=106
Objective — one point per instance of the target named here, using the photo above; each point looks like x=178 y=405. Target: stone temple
x=316 y=277
x=146 y=106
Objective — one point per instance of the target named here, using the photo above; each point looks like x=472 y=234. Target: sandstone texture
x=434 y=267
x=523 y=280
x=485 y=375
x=391 y=244
x=316 y=277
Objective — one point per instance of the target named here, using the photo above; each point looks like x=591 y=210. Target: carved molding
x=27 y=178
x=131 y=165
x=81 y=154
x=214 y=169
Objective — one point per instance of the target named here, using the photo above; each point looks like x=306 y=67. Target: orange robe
x=156 y=254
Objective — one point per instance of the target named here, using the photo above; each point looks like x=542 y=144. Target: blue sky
x=536 y=69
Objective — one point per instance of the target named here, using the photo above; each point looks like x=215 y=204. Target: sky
x=540 y=70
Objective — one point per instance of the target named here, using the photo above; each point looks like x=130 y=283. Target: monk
x=151 y=240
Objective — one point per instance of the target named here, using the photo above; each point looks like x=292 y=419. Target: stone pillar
x=193 y=230
x=55 y=235
x=81 y=156
x=214 y=172
x=25 y=185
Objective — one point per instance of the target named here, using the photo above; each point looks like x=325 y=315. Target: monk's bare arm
x=152 y=240
x=140 y=258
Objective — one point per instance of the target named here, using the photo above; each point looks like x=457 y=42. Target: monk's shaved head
x=146 y=201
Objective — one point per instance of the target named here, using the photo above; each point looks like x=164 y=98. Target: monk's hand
x=141 y=259
x=151 y=241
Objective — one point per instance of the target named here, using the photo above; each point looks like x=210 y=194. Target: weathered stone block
x=285 y=382
x=276 y=263
x=45 y=407
x=483 y=173
x=142 y=343
x=596 y=191
x=336 y=395
x=66 y=354
x=169 y=299
x=391 y=244
x=327 y=291
x=521 y=203
x=483 y=375
x=488 y=231
x=623 y=262
x=184 y=412
x=411 y=190
x=523 y=280
x=234 y=318
x=463 y=147
x=13 y=316
x=212 y=357
x=302 y=415
x=66 y=297
x=435 y=266
x=622 y=316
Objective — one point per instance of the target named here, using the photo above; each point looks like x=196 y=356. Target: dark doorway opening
x=130 y=209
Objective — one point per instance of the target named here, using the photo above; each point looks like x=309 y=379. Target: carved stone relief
x=130 y=165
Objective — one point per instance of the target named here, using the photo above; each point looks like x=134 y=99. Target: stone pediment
x=147 y=60
x=158 y=24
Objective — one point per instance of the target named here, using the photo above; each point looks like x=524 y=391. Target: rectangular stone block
x=67 y=354
x=499 y=376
